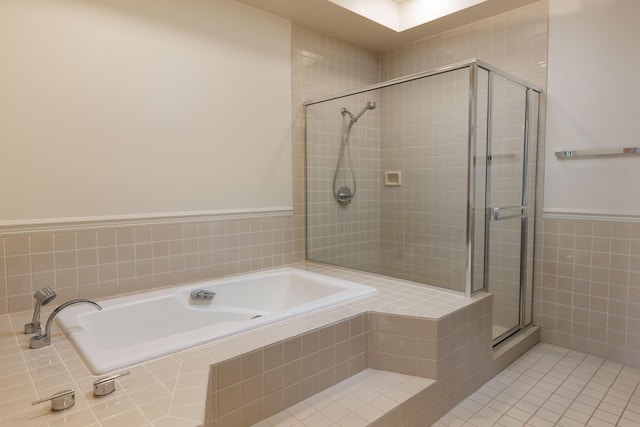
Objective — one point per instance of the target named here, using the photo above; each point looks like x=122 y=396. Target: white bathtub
x=142 y=327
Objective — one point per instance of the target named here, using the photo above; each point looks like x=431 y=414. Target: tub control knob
x=60 y=401
x=107 y=385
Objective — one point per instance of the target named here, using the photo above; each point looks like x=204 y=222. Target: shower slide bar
x=597 y=152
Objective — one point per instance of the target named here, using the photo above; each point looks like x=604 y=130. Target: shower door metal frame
x=522 y=211
x=473 y=65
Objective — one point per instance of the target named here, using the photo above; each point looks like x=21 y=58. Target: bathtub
x=141 y=327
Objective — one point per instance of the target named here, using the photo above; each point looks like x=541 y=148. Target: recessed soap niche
x=393 y=179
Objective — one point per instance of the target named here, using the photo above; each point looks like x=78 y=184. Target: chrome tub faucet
x=41 y=340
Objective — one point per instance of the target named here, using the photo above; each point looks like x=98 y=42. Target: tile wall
x=98 y=263
x=425 y=138
x=515 y=42
x=589 y=292
x=256 y=385
x=587 y=272
x=454 y=349
x=344 y=235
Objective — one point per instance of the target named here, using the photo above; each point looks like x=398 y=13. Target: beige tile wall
x=256 y=385
x=344 y=235
x=98 y=263
x=515 y=42
x=423 y=222
x=421 y=237
x=589 y=294
x=455 y=350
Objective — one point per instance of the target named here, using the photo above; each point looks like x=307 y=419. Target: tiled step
x=358 y=401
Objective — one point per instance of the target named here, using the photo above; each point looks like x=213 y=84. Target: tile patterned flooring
x=547 y=386
x=553 y=386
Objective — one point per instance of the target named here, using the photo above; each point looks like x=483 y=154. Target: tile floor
x=553 y=386
x=547 y=386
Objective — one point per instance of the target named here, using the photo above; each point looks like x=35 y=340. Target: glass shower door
x=509 y=201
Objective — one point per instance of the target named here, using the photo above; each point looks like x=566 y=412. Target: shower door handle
x=504 y=212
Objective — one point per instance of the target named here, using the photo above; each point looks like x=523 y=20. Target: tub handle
x=60 y=401
x=107 y=385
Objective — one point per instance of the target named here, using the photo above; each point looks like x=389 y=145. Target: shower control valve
x=344 y=195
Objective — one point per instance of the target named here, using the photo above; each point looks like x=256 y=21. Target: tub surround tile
x=367 y=397
x=139 y=258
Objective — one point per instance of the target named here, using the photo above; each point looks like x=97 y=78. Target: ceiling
x=326 y=17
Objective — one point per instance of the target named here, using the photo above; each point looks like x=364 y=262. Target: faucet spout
x=41 y=340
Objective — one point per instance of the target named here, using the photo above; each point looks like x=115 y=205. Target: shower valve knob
x=344 y=195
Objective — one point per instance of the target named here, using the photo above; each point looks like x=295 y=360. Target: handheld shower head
x=370 y=106
x=354 y=118
x=43 y=297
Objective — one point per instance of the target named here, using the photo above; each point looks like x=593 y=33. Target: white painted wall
x=115 y=108
x=593 y=102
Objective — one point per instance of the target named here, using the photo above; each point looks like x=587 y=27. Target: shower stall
x=430 y=178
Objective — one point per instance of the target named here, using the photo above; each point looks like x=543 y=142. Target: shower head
x=43 y=297
x=370 y=106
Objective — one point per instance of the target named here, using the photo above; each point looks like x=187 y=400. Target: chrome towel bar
x=597 y=152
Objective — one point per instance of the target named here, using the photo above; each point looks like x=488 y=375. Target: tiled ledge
x=171 y=391
x=371 y=397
